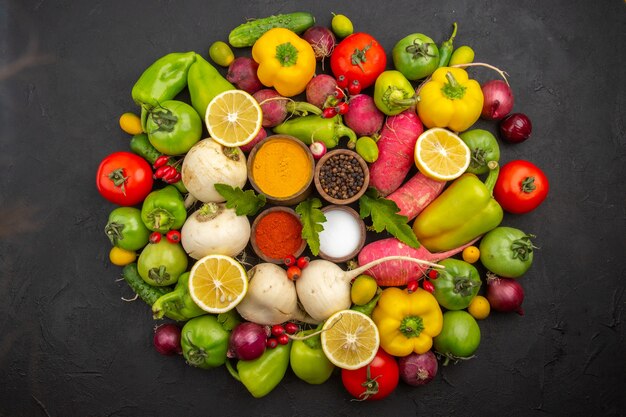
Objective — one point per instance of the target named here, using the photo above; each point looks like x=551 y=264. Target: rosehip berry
x=329 y=112
x=173 y=236
x=339 y=94
x=433 y=274
x=271 y=343
x=342 y=108
x=160 y=161
x=354 y=88
x=293 y=273
x=303 y=262
x=158 y=173
x=291 y=328
x=155 y=237
x=342 y=81
x=428 y=286
x=290 y=260
x=283 y=339
x=277 y=330
x=412 y=286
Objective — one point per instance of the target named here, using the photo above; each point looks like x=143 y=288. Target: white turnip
x=363 y=116
x=215 y=229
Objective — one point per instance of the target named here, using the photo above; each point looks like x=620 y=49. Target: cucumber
x=248 y=33
x=140 y=145
x=146 y=292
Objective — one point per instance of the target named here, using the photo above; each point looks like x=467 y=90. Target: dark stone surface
x=70 y=347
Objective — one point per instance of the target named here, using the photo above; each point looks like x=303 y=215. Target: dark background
x=70 y=347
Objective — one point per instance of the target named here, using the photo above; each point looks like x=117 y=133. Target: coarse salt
x=341 y=234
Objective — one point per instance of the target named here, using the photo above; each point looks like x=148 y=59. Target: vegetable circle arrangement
x=194 y=188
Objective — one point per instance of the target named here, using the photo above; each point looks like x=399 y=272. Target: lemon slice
x=350 y=339
x=217 y=283
x=233 y=118
x=441 y=155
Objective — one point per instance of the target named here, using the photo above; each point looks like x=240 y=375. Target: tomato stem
x=528 y=185
x=358 y=56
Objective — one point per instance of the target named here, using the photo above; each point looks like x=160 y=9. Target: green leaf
x=245 y=203
x=312 y=218
x=384 y=214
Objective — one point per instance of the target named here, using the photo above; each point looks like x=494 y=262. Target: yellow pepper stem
x=411 y=326
x=286 y=54
x=452 y=89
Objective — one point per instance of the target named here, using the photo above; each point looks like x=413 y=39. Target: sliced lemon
x=233 y=118
x=441 y=155
x=350 y=339
x=217 y=283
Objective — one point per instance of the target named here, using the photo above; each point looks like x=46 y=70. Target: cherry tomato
x=374 y=381
x=130 y=123
x=359 y=57
x=521 y=187
x=173 y=236
x=479 y=308
x=124 y=178
x=121 y=257
x=471 y=254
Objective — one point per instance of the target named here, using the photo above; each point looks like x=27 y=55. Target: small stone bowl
x=255 y=224
x=318 y=169
x=299 y=195
x=362 y=234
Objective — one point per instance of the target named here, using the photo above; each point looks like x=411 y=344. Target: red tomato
x=383 y=378
x=521 y=187
x=124 y=178
x=358 y=57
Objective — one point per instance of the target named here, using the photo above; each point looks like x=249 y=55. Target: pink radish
x=363 y=116
x=395 y=151
x=259 y=137
x=242 y=73
x=398 y=272
x=415 y=194
x=321 y=90
x=276 y=108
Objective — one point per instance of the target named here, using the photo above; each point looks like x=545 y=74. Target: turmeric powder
x=281 y=168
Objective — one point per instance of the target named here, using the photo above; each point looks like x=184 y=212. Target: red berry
x=271 y=343
x=160 y=171
x=174 y=179
x=291 y=328
x=428 y=286
x=169 y=172
x=342 y=81
x=342 y=108
x=329 y=112
x=277 y=330
x=283 y=339
x=354 y=88
x=293 y=273
x=339 y=94
x=412 y=286
x=433 y=274
x=173 y=236
x=155 y=237
x=160 y=161
x=290 y=260
x=303 y=262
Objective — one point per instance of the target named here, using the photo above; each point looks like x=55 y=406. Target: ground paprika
x=278 y=234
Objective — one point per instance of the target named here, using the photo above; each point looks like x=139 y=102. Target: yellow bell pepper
x=450 y=99
x=286 y=61
x=407 y=322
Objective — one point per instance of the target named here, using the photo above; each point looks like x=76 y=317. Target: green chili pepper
x=178 y=304
x=205 y=82
x=445 y=50
x=456 y=285
x=164 y=210
x=261 y=375
x=393 y=93
x=315 y=128
x=308 y=360
x=368 y=308
x=163 y=80
x=140 y=144
x=464 y=211
x=204 y=342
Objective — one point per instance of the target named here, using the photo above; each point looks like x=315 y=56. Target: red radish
x=320 y=91
x=242 y=73
x=318 y=149
x=398 y=273
x=322 y=40
x=418 y=370
x=276 y=108
x=416 y=194
x=259 y=137
x=395 y=151
x=363 y=116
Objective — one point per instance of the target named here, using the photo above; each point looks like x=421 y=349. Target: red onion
x=417 y=370
x=321 y=39
x=516 y=128
x=505 y=294
x=247 y=341
x=498 y=100
x=167 y=339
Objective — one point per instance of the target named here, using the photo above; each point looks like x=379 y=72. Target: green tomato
x=308 y=361
x=457 y=284
x=221 y=53
x=367 y=148
x=459 y=337
x=507 y=252
x=462 y=55
x=341 y=26
x=126 y=230
x=204 y=342
x=416 y=56
x=483 y=148
x=173 y=127
x=161 y=263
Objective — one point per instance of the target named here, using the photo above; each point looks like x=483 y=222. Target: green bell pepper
x=205 y=342
x=393 y=93
x=205 y=83
x=163 y=80
x=308 y=361
x=178 y=304
x=456 y=285
x=164 y=210
x=261 y=375
x=314 y=128
x=463 y=212
x=126 y=230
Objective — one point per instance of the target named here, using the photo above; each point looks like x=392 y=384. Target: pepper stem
x=286 y=54
x=411 y=326
x=494 y=170
x=452 y=89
